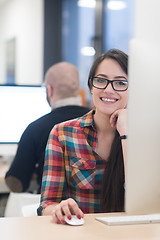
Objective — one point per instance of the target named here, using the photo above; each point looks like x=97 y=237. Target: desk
x=4 y=166
x=31 y=228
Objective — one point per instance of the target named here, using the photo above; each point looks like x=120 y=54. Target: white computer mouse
x=74 y=221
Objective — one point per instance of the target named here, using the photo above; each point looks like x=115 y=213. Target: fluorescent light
x=87 y=3
x=88 y=51
x=116 y=5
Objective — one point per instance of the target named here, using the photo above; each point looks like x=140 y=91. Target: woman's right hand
x=66 y=207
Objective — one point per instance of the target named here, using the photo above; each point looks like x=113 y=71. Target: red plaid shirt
x=72 y=168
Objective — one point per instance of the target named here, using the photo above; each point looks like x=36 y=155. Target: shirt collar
x=88 y=119
x=68 y=101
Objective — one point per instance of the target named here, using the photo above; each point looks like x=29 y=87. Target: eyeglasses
x=102 y=83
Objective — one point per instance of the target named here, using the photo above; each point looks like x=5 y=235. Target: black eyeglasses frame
x=109 y=82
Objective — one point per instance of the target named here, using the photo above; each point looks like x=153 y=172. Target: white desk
x=4 y=166
x=31 y=228
x=7 y=153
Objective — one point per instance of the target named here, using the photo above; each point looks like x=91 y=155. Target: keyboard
x=134 y=219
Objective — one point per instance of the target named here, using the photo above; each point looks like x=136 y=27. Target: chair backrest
x=22 y=205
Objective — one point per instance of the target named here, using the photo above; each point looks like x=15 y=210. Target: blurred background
x=36 y=34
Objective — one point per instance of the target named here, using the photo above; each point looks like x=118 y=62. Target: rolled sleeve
x=53 y=181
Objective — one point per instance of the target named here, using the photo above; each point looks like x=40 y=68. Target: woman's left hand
x=118 y=120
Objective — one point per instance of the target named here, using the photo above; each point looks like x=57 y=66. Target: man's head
x=61 y=81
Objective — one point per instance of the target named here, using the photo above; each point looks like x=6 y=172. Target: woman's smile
x=108 y=100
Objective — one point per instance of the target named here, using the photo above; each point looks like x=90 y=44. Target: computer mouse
x=74 y=221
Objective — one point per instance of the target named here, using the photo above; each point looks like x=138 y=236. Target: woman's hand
x=118 y=120
x=66 y=207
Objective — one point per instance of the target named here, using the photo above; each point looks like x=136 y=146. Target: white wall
x=23 y=19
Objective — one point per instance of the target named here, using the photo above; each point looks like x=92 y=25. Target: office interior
x=43 y=32
x=37 y=34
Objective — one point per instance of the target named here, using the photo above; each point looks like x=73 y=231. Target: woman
x=85 y=157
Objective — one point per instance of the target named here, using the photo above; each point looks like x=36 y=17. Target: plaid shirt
x=72 y=168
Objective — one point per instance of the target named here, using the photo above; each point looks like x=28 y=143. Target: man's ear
x=50 y=90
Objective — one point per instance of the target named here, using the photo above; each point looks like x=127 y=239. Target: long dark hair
x=113 y=180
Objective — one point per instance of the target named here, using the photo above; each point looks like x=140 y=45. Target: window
x=118 y=24
x=78 y=31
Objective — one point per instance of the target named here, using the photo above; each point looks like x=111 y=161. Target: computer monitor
x=19 y=106
x=143 y=158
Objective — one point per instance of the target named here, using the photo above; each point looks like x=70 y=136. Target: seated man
x=62 y=89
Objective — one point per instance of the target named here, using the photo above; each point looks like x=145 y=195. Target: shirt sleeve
x=24 y=161
x=53 y=187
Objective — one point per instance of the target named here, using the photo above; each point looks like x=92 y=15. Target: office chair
x=22 y=205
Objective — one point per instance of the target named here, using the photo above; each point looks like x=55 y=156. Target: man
x=62 y=89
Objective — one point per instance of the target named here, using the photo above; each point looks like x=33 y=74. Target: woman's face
x=108 y=100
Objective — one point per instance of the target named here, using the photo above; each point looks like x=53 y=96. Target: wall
x=23 y=20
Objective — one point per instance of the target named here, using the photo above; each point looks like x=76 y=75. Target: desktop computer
x=142 y=182
x=143 y=160
x=20 y=105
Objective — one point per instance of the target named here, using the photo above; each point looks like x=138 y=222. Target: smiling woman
x=115 y=92
x=87 y=154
